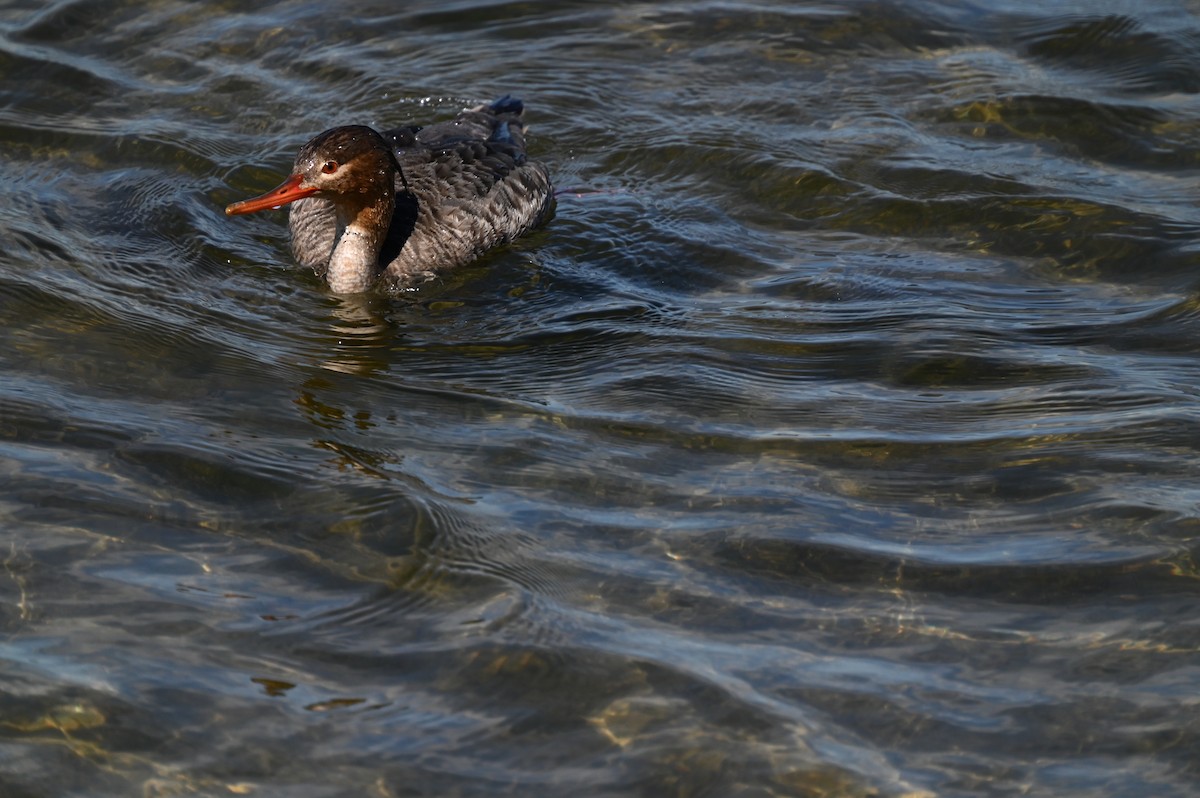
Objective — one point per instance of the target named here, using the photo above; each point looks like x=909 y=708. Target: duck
x=390 y=210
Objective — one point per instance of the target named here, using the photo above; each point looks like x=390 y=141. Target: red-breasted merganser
x=394 y=209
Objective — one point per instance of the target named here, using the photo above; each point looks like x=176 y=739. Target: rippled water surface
x=839 y=437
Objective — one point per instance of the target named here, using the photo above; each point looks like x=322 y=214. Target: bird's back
x=465 y=187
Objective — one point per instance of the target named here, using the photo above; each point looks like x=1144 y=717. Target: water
x=837 y=438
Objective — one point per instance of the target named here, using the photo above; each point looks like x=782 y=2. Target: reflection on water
x=837 y=437
x=363 y=334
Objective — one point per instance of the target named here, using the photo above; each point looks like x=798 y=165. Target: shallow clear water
x=839 y=437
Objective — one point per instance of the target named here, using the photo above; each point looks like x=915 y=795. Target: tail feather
x=508 y=104
x=508 y=110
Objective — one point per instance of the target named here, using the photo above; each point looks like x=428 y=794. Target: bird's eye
x=329 y=167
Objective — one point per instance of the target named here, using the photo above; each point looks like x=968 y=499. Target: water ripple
x=836 y=438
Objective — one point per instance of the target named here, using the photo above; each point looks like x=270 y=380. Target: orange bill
x=289 y=190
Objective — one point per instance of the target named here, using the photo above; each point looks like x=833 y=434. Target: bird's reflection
x=362 y=335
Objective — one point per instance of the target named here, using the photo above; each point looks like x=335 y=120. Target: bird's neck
x=354 y=264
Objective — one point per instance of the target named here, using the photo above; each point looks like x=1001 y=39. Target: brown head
x=350 y=166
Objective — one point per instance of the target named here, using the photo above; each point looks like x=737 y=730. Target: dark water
x=840 y=436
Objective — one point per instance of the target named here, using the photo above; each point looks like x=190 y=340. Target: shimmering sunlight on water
x=838 y=438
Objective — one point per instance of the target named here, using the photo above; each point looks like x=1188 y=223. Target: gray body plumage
x=463 y=187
